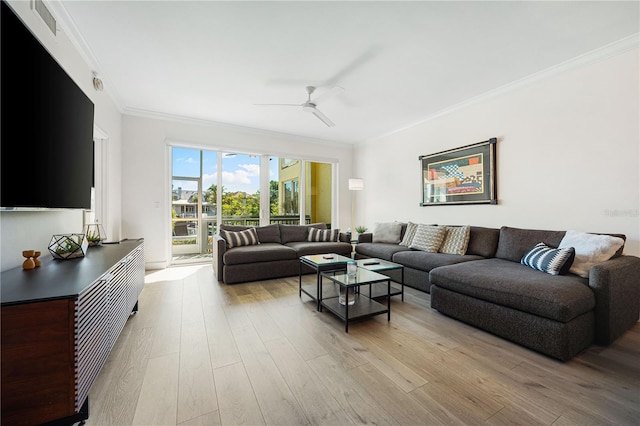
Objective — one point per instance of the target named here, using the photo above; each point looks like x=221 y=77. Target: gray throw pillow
x=388 y=232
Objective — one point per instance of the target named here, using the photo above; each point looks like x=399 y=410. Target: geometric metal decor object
x=68 y=246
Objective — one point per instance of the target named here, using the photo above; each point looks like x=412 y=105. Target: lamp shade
x=356 y=184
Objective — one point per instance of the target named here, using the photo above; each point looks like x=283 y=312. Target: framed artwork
x=465 y=175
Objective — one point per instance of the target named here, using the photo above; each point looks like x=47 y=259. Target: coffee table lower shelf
x=363 y=307
x=328 y=290
x=380 y=290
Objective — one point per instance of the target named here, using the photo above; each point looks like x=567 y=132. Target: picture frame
x=464 y=175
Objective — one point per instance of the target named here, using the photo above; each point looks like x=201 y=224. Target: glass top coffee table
x=320 y=263
x=381 y=265
x=363 y=306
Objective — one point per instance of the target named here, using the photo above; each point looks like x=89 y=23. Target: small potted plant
x=360 y=229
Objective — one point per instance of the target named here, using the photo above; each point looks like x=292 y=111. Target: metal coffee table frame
x=381 y=265
x=364 y=306
x=320 y=263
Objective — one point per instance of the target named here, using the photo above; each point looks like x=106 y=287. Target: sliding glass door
x=193 y=210
x=209 y=188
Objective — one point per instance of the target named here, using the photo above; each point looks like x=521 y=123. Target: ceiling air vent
x=44 y=13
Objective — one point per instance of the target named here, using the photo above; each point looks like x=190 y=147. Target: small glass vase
x=347 y=295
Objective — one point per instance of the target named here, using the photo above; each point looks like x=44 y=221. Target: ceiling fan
x=312 y=106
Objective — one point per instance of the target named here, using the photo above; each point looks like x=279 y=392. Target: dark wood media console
x=59 y=323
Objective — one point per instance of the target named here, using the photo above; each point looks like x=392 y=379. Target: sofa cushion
x=426 y=261
x=388 y=232
x=428 y=238
x=515 y=242
x=304 y=248
x=557 y=297
x=266 y=234
x=290 y=233
x=590 y=249
x=483 y=241
x=456 y=240
x=554 y=261
x=323 y=235
x=259 y=253
x=248 y=237
x=380 y=250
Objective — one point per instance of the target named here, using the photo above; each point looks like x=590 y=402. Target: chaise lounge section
x=558 y=315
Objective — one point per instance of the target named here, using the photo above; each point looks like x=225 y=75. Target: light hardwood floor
x=203 y=353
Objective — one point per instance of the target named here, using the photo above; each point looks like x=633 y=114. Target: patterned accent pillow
x=547 y=259
x=248 y=237
x=323 y=235
x=456 y=240
x=409 y=234
x=428 y=238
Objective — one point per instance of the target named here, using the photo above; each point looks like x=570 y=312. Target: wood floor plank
x=206 y=353
x=358 y=405
x=209 y=419
x=236 y=400
x=113 y=397
x=222 y=345
x=276 y=400
x=318 y=404
x=401 y=406
x=196 y=390
x=404 y=377
x=158 y=400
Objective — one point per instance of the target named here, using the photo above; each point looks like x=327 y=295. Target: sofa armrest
x=367 y=237
x=219 y=248
x=616 y=284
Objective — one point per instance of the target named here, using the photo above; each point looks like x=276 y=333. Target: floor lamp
x=355 y=184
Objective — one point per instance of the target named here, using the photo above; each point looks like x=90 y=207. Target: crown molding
x=607 y=51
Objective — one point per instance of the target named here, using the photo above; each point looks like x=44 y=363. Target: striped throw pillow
x=554 y=261
x=248 y=237
x=323 y=235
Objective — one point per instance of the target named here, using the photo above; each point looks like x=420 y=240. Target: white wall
x=146 y=171
x=568 y=156
x=33 y=230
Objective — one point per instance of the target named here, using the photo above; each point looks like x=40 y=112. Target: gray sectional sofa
x=277 y=254
x=488 y=287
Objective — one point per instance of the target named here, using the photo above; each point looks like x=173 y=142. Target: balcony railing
x=255 y=221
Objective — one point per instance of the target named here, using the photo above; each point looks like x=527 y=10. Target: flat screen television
x=46 y=126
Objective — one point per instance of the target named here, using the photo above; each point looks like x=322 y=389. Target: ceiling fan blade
x=334 y=91
x=323 y=117
x=279 y=104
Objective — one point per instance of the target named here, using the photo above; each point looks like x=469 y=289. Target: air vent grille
x=46 y=16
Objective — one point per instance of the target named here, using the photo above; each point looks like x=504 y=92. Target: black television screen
x=46 y=126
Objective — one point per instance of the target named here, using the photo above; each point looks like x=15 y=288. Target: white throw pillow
x=388 y=232
x=591 y=249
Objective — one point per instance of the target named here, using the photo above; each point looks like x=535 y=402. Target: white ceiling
x=398 y=62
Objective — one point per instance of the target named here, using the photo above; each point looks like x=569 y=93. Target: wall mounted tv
x=46 y=130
